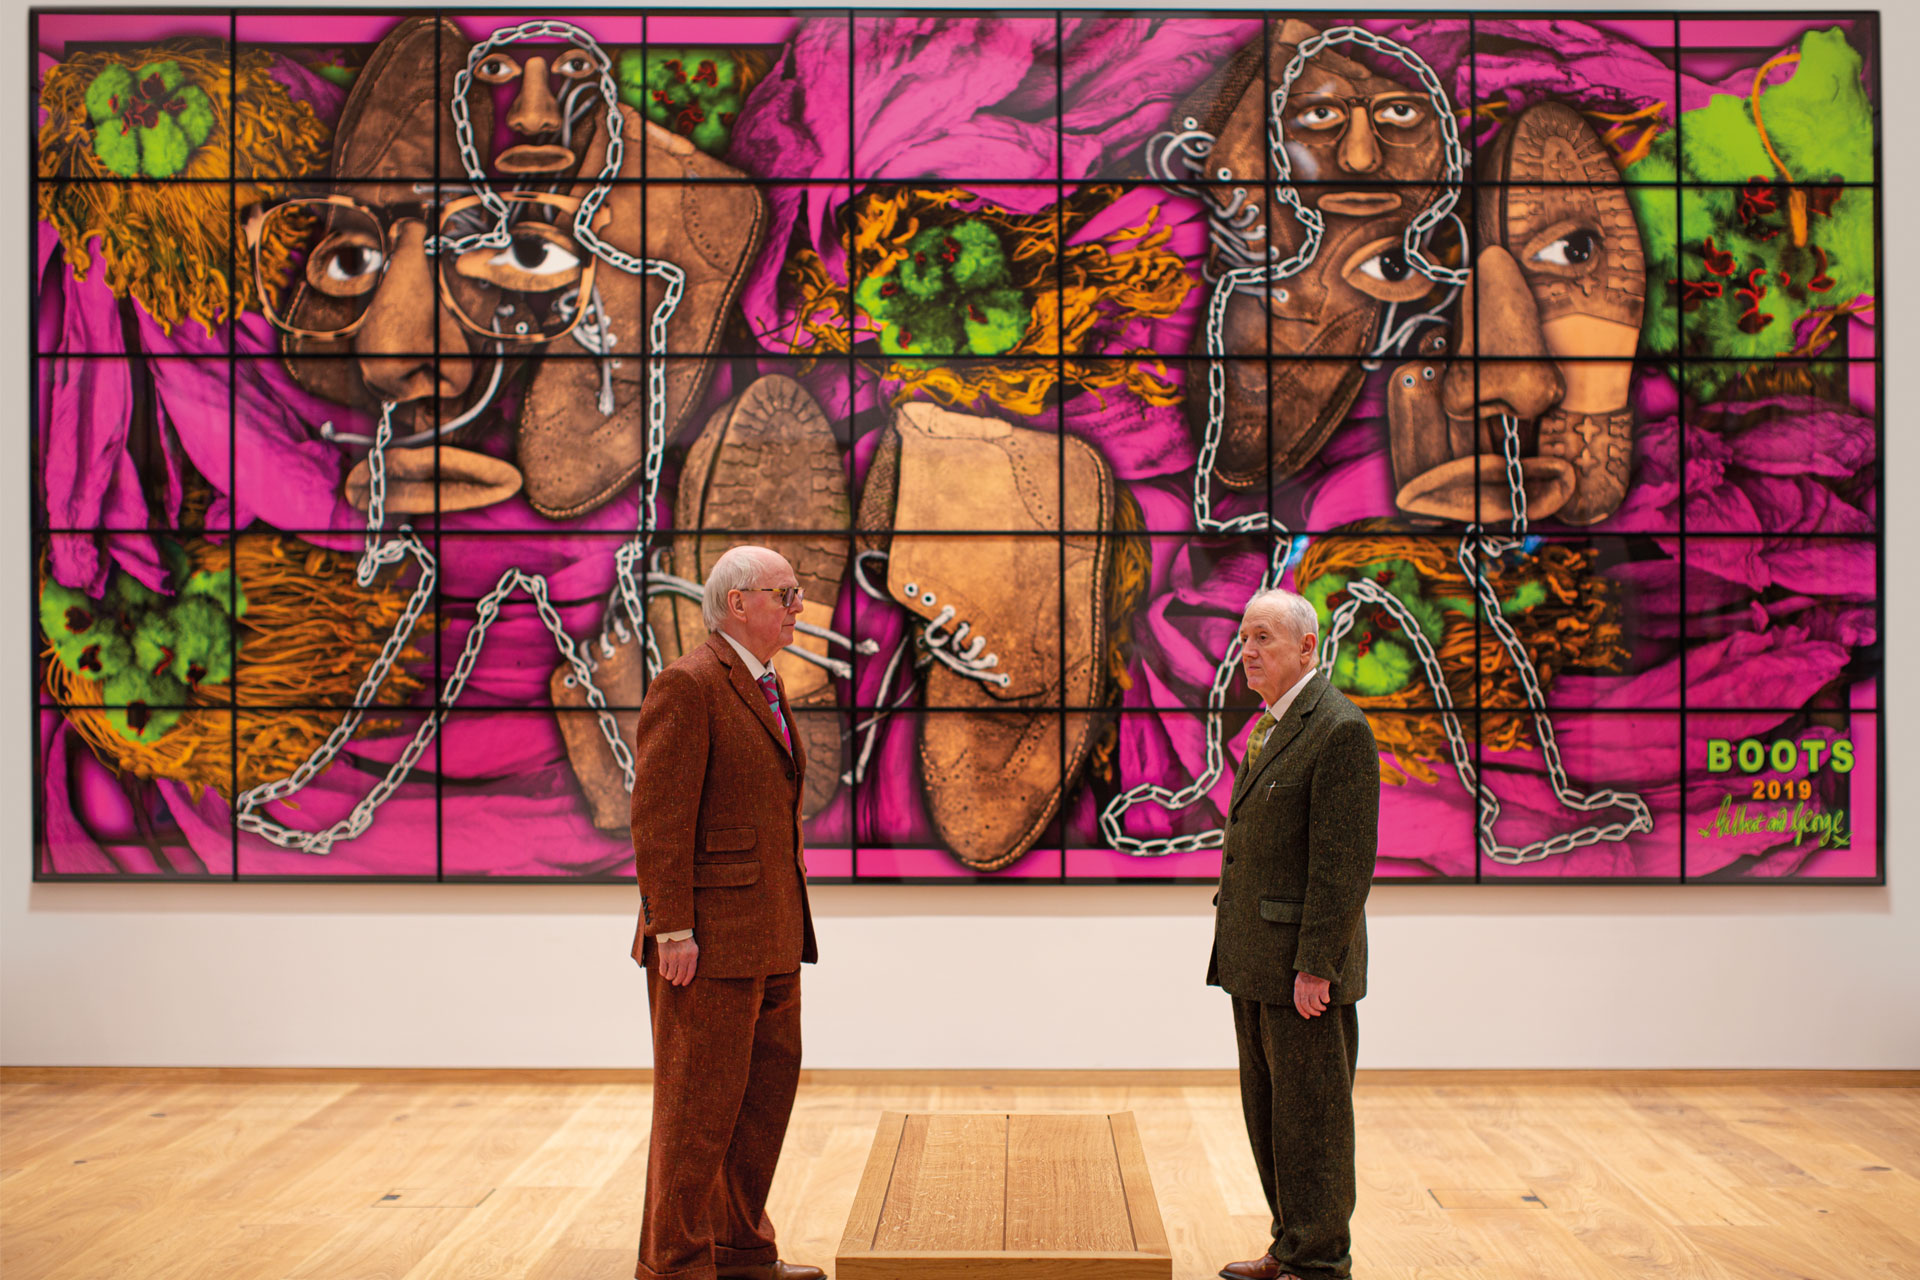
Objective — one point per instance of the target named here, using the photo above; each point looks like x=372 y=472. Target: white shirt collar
x=1278 y=707
x=755 y=667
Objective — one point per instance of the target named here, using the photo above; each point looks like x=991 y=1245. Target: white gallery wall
x=991 y=976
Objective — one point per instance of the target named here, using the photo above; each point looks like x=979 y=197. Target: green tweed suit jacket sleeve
x=1301 y=835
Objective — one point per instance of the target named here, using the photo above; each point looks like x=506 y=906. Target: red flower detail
x=1695 y=292
x=1719 y=261
x=1821 y=281
x=78 y=619
x=707 y=74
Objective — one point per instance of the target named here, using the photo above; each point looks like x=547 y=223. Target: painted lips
x=534 y=158
x=1360 y=204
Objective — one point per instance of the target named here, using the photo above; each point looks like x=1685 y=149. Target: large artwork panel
x=398 y=379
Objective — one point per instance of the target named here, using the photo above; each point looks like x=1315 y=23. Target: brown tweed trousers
x=1301 y=835
x=717 y=848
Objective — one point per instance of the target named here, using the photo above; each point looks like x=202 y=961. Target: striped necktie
x=772 y=691
x=1257 y=740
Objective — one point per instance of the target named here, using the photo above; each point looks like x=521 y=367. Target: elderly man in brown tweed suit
x=1290 y=936
x=718 y=776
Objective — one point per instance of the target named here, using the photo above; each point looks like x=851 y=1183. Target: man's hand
x=1310 y=994
x=679 y=959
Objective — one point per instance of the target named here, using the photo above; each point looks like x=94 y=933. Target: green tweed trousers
x=1296 y=1090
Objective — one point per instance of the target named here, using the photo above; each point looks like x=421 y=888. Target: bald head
x=1278 y=642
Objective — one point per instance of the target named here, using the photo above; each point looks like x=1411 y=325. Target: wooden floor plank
x=273 y=1178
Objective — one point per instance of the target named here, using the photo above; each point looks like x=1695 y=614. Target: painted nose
x=535 y=110
x=1359 y=152
x=1522 y=378
x=395 y=344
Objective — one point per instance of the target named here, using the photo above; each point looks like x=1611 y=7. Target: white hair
x=1294 y=612
x=737 y=569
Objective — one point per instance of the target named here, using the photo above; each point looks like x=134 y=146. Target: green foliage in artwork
x=336 y=73
x=1784 y=241
x=146 y=651
x=951 y=295
x=696 y=93
x=147 y=121
x=1375 y=659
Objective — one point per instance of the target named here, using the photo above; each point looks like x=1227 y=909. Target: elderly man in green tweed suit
x=1290 y=936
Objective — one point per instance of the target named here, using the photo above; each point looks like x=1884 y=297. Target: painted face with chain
x=544 y=93
x=1350 y=135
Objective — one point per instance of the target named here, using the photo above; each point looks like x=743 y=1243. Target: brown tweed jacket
x=716 y=819
x=1298 y=862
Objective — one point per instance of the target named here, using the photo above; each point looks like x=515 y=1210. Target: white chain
x=1189 y=147
x=380 y=553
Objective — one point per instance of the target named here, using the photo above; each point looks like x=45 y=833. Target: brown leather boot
x=619 y=665
x=769 y=456
x=576 y=454
x=1589 y=281
x=1318 y=321
x=992 y=609
x=1457 y=412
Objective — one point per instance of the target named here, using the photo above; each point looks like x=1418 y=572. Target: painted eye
x=1389 y=265
x=345 y=266
x=1321 y=116
x=534 y=255
x=1400 y=114
x=1570 y=250
x=497 y=69
x=573 y=65
x=1380 y=269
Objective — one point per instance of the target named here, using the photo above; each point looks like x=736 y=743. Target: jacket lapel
x=1283 y=734
x=749 y=691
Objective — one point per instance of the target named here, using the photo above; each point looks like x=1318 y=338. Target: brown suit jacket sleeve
x=1342 y=831
x=669 y=764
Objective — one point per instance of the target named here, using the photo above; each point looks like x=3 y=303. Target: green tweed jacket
x=1301 y=835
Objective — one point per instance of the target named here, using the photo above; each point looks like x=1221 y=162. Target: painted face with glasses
x=322 y=264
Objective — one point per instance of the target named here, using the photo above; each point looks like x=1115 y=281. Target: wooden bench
x=998 y=1196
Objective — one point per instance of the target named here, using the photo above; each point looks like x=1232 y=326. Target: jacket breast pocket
x=1283 y=793
x=733 y=874
x=731 y=842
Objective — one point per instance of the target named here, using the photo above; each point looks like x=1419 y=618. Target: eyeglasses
x=789 y=596
x=318 y=261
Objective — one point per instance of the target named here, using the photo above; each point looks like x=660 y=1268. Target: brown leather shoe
x=992 y=606
x=1264 y=1267
x=583 y=431
x=769 y=455
x=1319 y=320
x=775 y=1270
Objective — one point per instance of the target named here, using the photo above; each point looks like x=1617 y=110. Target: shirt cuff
x=678 y=935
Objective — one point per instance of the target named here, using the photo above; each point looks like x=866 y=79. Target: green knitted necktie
x=1257 y=740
